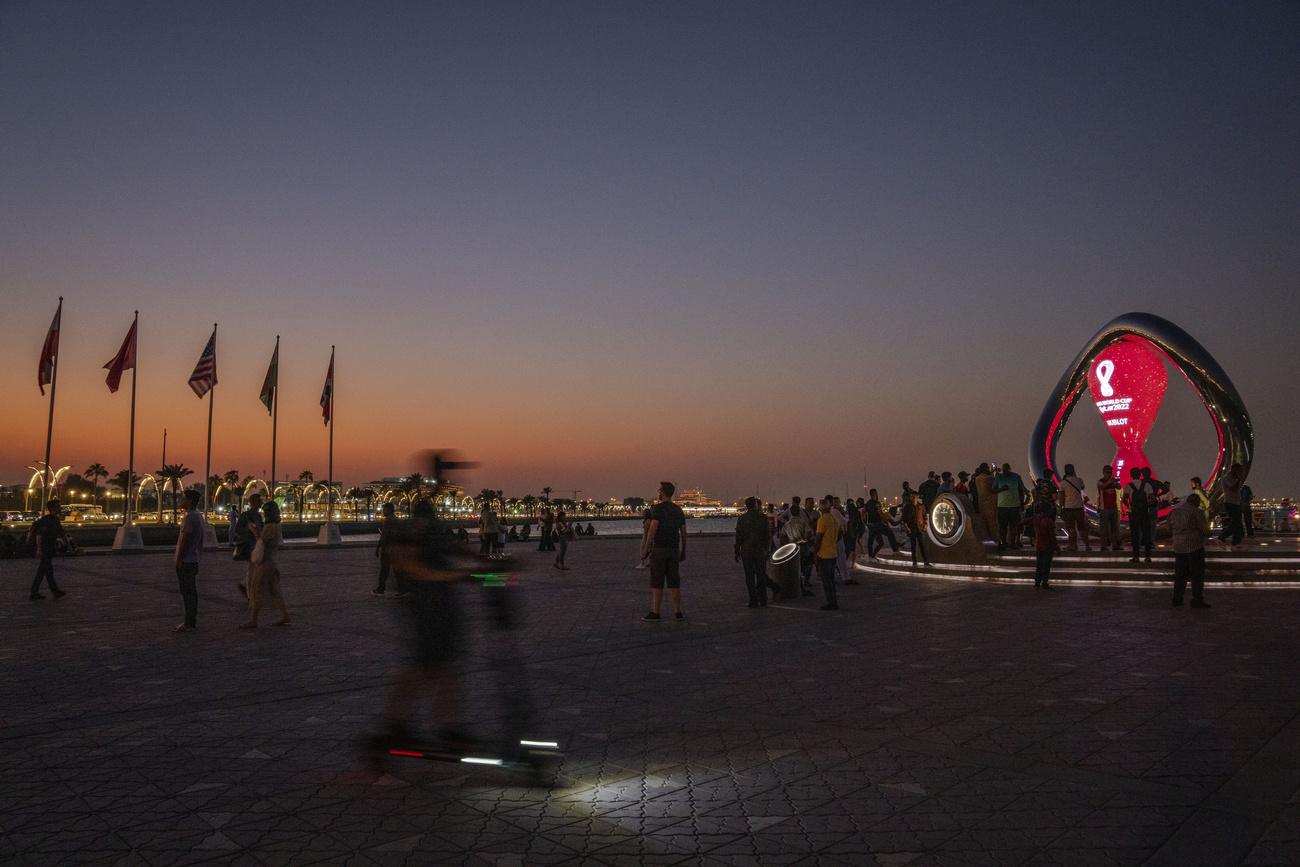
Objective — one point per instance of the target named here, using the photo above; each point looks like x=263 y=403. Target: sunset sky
x=741 y=246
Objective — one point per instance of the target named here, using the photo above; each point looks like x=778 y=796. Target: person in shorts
x=665 y=545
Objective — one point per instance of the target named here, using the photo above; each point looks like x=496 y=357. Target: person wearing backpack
x=1139 y=516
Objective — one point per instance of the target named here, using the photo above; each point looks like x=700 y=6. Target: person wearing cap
x=47 y=531
x=1072 y=499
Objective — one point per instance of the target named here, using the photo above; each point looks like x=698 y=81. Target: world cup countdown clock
x=945 y=521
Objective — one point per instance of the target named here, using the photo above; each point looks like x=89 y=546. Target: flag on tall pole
x=48 y=374
x=123 y=361
x=327 y=395
x=205 y=372
x=50 y=352
x=272 y=378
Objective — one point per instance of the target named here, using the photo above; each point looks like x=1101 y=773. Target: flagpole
x=329 y=491
x=49 y=430
x=207 y=469
x=275 y=415
x=130 y=460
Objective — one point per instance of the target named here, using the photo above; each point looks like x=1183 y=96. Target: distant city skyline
x=597 y=245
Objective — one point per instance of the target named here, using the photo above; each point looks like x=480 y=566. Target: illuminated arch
x=1198 y=367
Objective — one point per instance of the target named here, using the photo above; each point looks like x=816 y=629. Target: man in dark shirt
x=665 y=543
x=753 y=542
x=47 y=531
x=929 y=491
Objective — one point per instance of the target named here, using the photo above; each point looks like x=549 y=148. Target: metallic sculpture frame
x=1198 y=367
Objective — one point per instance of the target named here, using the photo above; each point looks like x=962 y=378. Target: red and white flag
x=50 y=351
x=272 y=381
x=327 y=396
x=123 y=361
x=205 y=372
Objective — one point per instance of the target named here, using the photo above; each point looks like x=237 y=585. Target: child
x=1045 y=543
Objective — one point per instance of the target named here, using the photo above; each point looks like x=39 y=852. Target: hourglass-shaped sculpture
x=1134 y=343
x=1128 y=383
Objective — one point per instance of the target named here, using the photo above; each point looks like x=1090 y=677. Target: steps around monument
x=1256 y=567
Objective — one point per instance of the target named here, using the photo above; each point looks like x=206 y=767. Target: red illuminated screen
x=1128 y=382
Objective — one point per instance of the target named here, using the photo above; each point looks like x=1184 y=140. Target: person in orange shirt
x=828 y=531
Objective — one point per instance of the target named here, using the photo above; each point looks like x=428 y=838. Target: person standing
x=1072 y=500
x=1011 y=492
x=564 y=532
x=248 y=529
x=645 y=539
x=1247 y=513
x=1231 y=483
x=667 y=551
x=1199 y=497
x=1139 y=516
x=828 y=533
x=797 y=529
x=189 y=549
x=47 y=531
x=753 y=543
x=544 y=524
x=384 y=549
x=1108 y=510
x=264 y=586
x=914 y=516
x=986 y=502
x=929 y=490
x=1045 y=544
x=963 y=484
x=1191 y=528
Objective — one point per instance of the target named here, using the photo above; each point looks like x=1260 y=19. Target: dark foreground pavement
x=927 y=722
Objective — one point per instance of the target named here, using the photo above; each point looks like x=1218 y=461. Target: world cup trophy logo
x=1128 y=382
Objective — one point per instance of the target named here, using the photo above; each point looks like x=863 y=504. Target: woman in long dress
x=264 y=586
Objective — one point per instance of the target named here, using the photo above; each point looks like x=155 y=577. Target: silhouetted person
x=46 y=532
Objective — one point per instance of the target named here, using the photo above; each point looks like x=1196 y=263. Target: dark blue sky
x=740 y=245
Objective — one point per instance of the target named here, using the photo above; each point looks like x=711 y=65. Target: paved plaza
x=927 y=722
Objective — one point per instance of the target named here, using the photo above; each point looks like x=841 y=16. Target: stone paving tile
x=929 y=722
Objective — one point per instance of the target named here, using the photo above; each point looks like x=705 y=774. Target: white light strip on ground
x=470 y=760
x=1089 y=582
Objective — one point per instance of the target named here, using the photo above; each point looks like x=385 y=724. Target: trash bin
x=783 y=567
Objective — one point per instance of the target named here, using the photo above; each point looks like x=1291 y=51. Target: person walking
x=264 y=586
x=878 y=531
x=189 y=550
x=563 y=532
x=1108 y=510
x=1045 y=544
x=383 y=550
x=1072 y=500
x=1139 y=516
x=1190 y=528
x=46 y=531
x=1247 y=513
x=248 y=529
x=667 y=551
x=914 y=516
x=753 y=543
x=828 y=533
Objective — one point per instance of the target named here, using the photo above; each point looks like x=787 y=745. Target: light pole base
x=128 y=538
x=330 y=535
x=209 y=537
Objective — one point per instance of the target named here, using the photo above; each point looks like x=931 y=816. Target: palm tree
x=172 y=475
x=95 y=472
x=546 y=494
x=214 y=489
x=528 y=502
x=123 y=483
x=231 y=478
x=301 y=490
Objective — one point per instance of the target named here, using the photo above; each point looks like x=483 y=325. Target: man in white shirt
x=1071 y=499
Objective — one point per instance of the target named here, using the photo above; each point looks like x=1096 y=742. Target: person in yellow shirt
x=829 y=529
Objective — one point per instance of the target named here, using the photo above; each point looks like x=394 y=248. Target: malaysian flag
x=327 y=395
x=205 y=372
x=50 y=351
